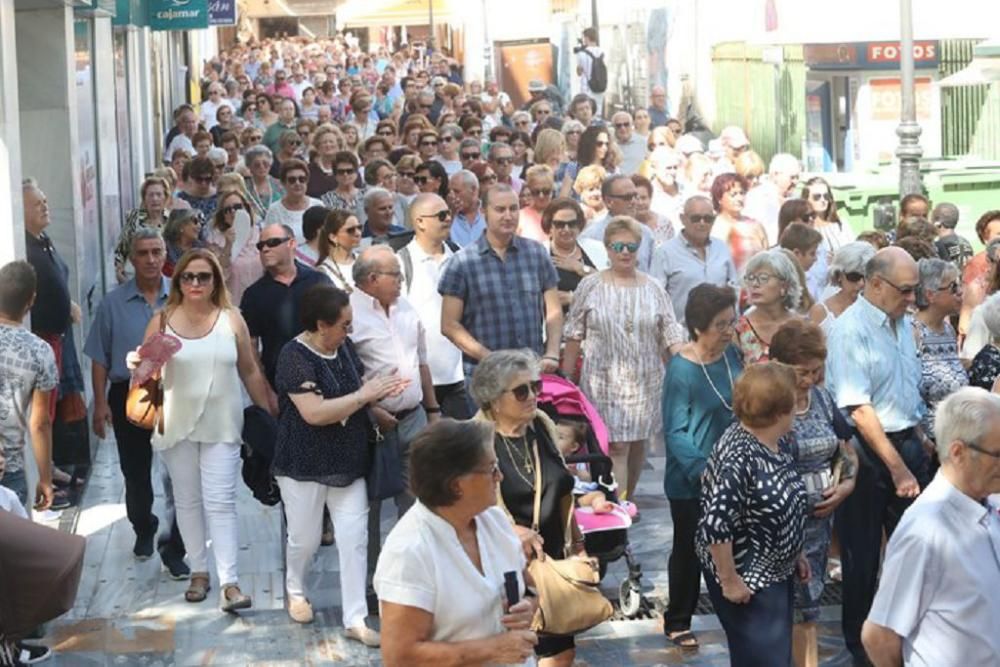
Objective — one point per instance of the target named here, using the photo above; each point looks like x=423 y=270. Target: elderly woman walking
x=505 y=386
x=624 y=322
x=847 y=274
x=772 y=284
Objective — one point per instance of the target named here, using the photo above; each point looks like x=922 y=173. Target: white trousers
x=348 y=507
x=204 y=477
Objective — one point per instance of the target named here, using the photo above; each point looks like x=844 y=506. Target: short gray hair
x=519 y=115
x=494 y=373
x=367 y=263
x=465 y=177
x=851 y=258
x=968 y=415
x=990 y=309
x=257 y=151
x=451 y=130
x=784 y=163
x=373 y=193
x=571 y=124
x=176 y=221
x=144 y=233
x=932 y=272
x=784 y=268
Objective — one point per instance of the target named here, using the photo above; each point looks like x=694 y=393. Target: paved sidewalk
x=130 y=613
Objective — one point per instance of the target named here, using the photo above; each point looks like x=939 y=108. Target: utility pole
x=431 y=42
x=909 y=150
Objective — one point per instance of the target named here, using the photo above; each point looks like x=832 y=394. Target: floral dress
x=985 y=368
x=941 y=369
x=753 y=347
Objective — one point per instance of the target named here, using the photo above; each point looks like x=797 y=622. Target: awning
x=374 y=13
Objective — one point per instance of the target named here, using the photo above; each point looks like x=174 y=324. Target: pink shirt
x=530 y=225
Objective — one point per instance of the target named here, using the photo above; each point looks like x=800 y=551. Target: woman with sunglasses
x=939 y=298
x=289 y=209
x=505 y=386
x=241 y=265
x=572 y=130
x=346 y=195
x=596 y=149
x=574 y=258
x=327 y=141
x=835 y=233
x=266 y=115
x=406 y=169
x=338 y=245
x=202 y=418
x=289 y=144
x=624 y=323
x=431 y=177
x=181 y=233
x=847 y=276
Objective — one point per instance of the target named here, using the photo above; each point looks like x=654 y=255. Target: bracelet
x=433 y=411
x=551 y=358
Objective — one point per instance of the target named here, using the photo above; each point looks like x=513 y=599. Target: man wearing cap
x=658 y=116
x=764 y=201
x=540 y=91
x=733 y=142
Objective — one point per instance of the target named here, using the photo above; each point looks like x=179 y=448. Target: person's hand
x=75 y=314
x=514 y=647
x=569 y=264
x=735 y=590
x=383 y=386
x=802 y=568
x=132 y=359
x=230 y=236
x=905 y=483
x=272 y=402
x=549 y=365
x=531 y=542
x=832 y=497
x=386 y=422
x=602 y=505
x=518 y=616
x=102 y=417
x=433 y=417
x=43 y=495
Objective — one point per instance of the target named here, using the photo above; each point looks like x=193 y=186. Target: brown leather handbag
x=144 y=403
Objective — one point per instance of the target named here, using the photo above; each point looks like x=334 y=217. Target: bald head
x=430 y=218
x=425 y=203
x=891 y=279
x=888 y=261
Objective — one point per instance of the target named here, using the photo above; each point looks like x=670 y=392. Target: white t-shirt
x=209 y=109
x=10 y=503
x=586 y=63
x=278 y=214
x=423 y=565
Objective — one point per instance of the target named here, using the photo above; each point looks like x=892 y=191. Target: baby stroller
x=605 y=535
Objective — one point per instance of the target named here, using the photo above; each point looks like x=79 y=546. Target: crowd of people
x=368 y=253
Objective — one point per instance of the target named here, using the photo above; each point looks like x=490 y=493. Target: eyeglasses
x=976 y=448
x=955 y=287
x=622 y=126
x=428 y=143
x=521 y=391
x=854 y=277
x=292 y=180
x=471 y=156
x=488 y=178
x=566 y=224
x=493 y=471
x=344 y=172
x=707 y=218
x=405 y=174
x=541 y=192
x=384 y=133
x=272 y=243
x=905 y=290
x=819 y=196
x=201 y=278
x=204 y=180
x=232 y=209
x=632 y=196
x=618 y=247
x=420 y=180
x=392 y=274
x=442 y=215
x=757 y=279
x=724 y=325
x=503 y=160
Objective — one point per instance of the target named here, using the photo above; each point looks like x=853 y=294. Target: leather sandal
x=198 y=588
x=233 y=598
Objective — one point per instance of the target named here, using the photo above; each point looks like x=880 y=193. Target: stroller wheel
x=630 y=597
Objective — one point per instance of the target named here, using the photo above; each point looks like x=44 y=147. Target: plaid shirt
x=503 y=306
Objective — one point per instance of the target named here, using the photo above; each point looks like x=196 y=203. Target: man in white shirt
x=390 y=338
x=632 y=145
x=937 y=602
x=585 y=58
x=665 y=163
x=187 y=123
x=764 y=201
x=422 y=261
x=619 y=194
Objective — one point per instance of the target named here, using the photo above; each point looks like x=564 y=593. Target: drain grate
x=832 y=596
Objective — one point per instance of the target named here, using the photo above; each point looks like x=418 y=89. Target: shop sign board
x=222 y=12
x=869 y=55
x=178 y=14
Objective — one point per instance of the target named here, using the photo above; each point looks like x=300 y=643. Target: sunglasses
x=442 y=215
x=820 y=196
x=292 y=180
x=601 y=144
x=471 y=156
x=905 y=290
x=566 y=224
x=428 y=143
x=489 y=178
x=854 y=276
x=707 y=218
x=523 y=122
x=622 y=126
x=504 y=160
x=620 y=247
x=201 y=278
x=420 y=180
x=352 y=230
x=203 y=179
x=541 y=192
x=232 y=209
x=344 y=172
x=522 y=391
x=384 y=133
x=296 y=143
x=632 y=196
x=272 y=243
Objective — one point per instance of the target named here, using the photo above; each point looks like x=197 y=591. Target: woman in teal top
x=697 y=408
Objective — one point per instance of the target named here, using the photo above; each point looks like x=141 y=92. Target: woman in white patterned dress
x=624 y=322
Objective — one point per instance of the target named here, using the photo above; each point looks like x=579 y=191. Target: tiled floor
x=129 y=613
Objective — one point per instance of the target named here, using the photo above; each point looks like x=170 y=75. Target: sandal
x=233 y=598
x=684 y=639
x=198 y=588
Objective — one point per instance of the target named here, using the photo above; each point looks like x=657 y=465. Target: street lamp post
x=909 y=150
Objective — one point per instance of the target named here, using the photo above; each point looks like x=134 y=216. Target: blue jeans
x=18 y=483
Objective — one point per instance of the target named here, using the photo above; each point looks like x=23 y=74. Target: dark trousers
x=135 y=457
x=454 y=400
x=759 y=633
x=870 y=509
x=683 y=568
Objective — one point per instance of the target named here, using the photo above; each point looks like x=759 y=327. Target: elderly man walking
x=874 y=374
x=937 y=602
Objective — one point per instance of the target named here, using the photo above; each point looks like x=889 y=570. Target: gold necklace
x=529 y=465
x=336 y=269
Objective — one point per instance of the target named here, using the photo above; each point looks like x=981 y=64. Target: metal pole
x=909 y=150
x=431 y=41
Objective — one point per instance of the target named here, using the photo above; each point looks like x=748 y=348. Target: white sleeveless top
x=202 y=401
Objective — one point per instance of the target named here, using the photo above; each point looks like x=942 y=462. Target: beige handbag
x=569 y=595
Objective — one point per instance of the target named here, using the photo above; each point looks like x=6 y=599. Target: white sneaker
x=364 y=634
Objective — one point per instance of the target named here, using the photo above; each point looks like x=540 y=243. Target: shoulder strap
x=536 y=512
x=407 y=262
x=163 y=320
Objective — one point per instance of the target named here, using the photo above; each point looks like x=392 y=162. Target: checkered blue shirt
x=503 y=303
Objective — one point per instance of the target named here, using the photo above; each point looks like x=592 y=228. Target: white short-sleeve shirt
x=940 y=580
x=423 y=565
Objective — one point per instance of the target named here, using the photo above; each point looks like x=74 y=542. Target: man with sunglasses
x=285 y=122
x=501 y=291
x=501 y=159
x=873 y=371
x=633 y=147
x=271 y=305
x=619 y=193
x=469 y=151
x=463 y=198
x=937 y=600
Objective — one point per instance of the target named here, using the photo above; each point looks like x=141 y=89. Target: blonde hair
x=231 y=182
x=220 y=293
x=540 y=171
x=622 y=223
x=749 y=165
x=549 y=144
x=321 y=132
x=591 y=176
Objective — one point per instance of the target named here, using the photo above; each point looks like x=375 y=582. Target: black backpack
x=598 y=80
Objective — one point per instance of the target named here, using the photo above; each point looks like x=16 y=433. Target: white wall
x=11 y=208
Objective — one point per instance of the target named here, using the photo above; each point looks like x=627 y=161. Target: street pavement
x=130 y=613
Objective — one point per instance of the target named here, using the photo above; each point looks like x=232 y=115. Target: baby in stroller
x=571 y=438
